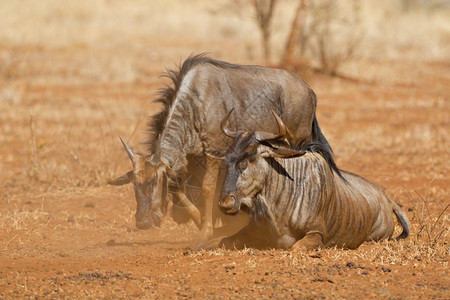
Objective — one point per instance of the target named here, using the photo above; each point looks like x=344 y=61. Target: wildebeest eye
x=242 y=165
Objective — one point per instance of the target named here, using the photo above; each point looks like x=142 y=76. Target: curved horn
x=128 y=149
x=264 y=136
x=225 y=130
x=157 y=155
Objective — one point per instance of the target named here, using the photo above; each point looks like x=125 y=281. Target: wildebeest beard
x=257 y=212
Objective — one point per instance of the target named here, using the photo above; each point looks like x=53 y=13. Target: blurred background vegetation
x=324 y=35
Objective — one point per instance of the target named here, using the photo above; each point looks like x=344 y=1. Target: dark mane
x=167 y=95
x=320 y=146
x=325 y=151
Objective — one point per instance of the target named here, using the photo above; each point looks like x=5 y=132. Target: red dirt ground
x=65 y=233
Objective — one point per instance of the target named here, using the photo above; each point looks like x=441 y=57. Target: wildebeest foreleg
x=190 y=208
x=208 y=190
x=253 y=235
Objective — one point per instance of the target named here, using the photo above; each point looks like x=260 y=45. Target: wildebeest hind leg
x=312 y=240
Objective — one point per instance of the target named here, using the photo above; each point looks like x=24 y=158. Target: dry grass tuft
x=431 y=227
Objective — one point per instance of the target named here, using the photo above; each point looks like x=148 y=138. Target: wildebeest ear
x=121 y=180
x=281 y=152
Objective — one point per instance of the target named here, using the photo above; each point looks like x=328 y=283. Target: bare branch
x=264 y=12
x=296 y=29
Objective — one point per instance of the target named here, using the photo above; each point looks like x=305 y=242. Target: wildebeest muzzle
x=143 y=221
x=230 y=204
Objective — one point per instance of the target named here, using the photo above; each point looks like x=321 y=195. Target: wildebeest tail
x=403 y=220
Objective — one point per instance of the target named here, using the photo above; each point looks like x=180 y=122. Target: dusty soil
x=65 y=233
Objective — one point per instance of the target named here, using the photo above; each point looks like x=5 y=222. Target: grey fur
x=339 y=211
x=188 y=126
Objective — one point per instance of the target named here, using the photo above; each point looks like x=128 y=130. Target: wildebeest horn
x=225 y=130
x=128 y=149
x=157 y=155
x=264 y=136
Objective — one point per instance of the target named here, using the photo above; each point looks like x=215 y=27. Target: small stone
x=350 y=265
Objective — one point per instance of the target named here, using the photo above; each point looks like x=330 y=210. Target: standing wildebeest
x=296 y=199
x=187 y=129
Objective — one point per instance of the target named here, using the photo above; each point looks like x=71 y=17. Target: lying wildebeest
x=296 y=200
x=187 y=129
